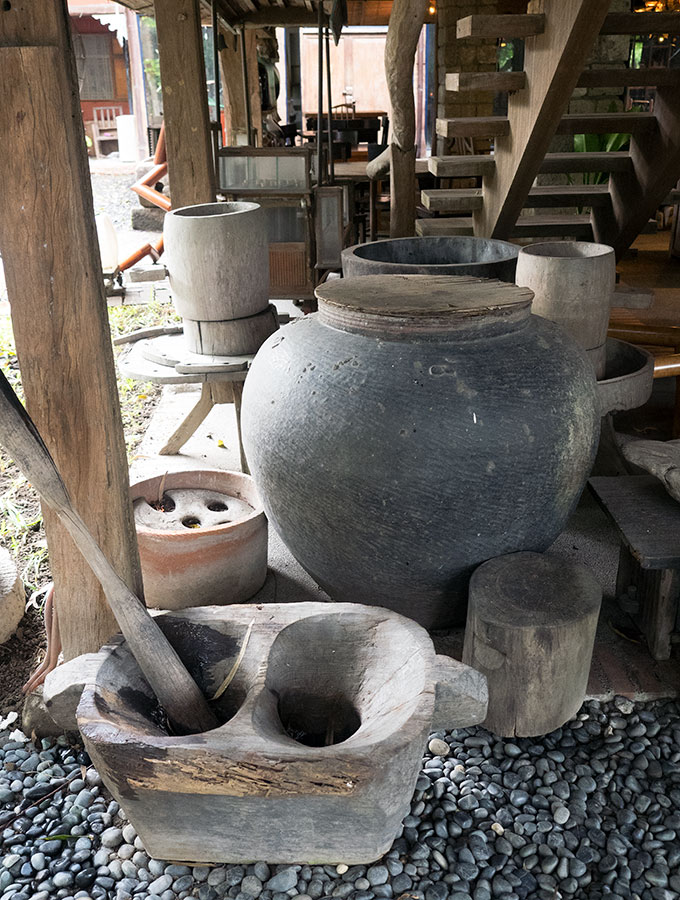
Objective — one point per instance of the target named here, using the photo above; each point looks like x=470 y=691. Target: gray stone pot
x=482 y=257
x=413 y=428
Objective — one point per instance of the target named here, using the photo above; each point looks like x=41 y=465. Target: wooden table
x=165 y=360
x=647 y=519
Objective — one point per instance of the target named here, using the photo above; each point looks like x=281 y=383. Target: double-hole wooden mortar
x=324 y=727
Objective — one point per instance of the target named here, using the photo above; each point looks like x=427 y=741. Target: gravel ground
x=589 y=811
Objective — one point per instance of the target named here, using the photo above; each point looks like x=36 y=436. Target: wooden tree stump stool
x=530 y=629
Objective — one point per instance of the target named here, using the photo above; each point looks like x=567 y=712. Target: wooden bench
x=647 y=519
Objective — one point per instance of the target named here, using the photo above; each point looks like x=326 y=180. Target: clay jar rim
x=148 y=487
x=420 y=304
x=566 y=252
x=206 y=211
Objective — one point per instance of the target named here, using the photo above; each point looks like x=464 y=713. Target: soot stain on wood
x=199 y=647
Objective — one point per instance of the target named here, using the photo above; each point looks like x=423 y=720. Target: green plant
x=600 y=143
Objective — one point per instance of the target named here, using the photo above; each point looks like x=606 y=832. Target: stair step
x=486 y=81
x=474 y=126
x=647 y=77
x=607 y=123
x=618 y=161
x=461 y=166
x=641 y=23
x=456 y=200
x=568 y=195
x=471 y=166
x=507 y=26
x=521 y=26
x=442 y=227
x=554 y=226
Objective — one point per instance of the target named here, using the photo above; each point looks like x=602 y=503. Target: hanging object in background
x=413 y=428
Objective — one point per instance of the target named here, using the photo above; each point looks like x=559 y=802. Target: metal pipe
x=319 y=113
x=331 y=163
x=216 y=69
x=246 y=88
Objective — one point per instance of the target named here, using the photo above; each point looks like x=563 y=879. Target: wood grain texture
x=475 y=126
x=486 y=81
x=553 y=61
x=453 y=200
x=185 y=102
x=531 y=629
x=503 y=26
x=460 y=166
x=460 y=225
x=59 y=315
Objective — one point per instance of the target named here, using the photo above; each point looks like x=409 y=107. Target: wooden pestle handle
x=176 y=690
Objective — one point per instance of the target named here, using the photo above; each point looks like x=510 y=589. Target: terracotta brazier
x=202 y=538
x=325 y=723
x=413 y=428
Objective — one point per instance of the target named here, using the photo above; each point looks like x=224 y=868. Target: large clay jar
x=217 y=256
x=573 y=283
x=481 y=257
x=413 y=428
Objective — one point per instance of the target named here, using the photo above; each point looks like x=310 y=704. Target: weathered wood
x=291 y=778
x=486 y=81
x=231 y=336
x=554 y=226
x=437 y=227
x=659 y=593
x=553 y=61
x=454 y=200
x=607 y=123
x=475 y=126
x=641 y=23
x=188 y=425
x=460 y=166
x=568 y=195
x=185 y=102
x=64 y=686
x=403 y=34
x=59 y=315
x=12 y=597
x=531 y=629
x=231 y=73
x=645 y=77
x=502 y=26
x=655 y=156
x=178 y=693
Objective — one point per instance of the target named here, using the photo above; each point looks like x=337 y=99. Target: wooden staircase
x=558 y=39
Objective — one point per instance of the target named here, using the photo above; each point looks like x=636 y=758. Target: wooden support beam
x=655 y=158
x=620 y=77
x=509 y=26
x=486 y=81
x=553 y=62
x=59 y=314
x=185 y=102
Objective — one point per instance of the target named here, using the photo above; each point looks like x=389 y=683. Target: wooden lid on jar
x=418 y=302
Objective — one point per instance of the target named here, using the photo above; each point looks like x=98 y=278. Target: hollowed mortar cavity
x=333 y=677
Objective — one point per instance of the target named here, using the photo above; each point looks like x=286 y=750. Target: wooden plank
x=486 y=81
x=185 y=102
x=455 y=200
x=646 y=517
x=568 y=195
x=658 y=593
x=474 y=126
x=59 y=313
x=618 y=161
x=553 y=226
x=641 y=23
x=440 y=227
x=553 y=62
x=504 y=26
x=607 y=123
x=460 y=166
x=655 y=158
x=647 y=77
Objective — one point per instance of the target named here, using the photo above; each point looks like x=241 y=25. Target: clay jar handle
x=461 y=695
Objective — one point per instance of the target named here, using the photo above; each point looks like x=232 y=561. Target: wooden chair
x=104 y=126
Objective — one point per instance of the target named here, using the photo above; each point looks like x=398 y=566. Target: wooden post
x=137 y=83
x=59 y=315
x=406 y=22
x=185 y=102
